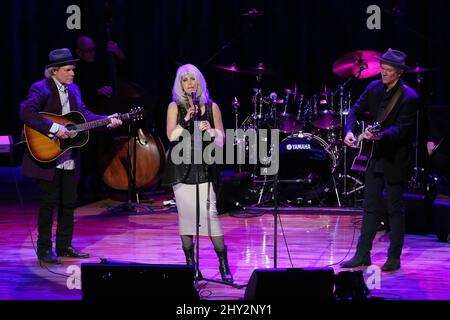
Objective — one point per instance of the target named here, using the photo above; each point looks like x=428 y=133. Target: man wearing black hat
x=394 y=104
x=57 y=180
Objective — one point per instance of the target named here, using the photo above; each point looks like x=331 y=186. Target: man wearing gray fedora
x=393 y=104
x=57 y=179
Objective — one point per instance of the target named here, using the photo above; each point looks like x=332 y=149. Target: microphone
x=273 y=96
x=194 y=101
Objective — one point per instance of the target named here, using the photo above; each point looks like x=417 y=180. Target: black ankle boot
x=223 y=266
x=357 y=261
x=190 y=261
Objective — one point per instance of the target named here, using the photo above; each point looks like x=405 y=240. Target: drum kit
x=313 y=161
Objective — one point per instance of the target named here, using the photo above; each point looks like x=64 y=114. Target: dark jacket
x=43 y=96
x=394 y=147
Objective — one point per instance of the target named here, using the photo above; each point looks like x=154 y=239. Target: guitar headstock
x=135 y=114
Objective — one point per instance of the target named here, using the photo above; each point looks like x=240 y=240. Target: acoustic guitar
x=365 y=146
x=46 y=149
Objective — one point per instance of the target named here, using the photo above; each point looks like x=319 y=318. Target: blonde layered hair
x=179 y=96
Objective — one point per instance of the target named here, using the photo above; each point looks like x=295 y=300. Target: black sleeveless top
x=187 y=173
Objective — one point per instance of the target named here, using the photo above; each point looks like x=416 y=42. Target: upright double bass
x=139 y=155
x=147 y=160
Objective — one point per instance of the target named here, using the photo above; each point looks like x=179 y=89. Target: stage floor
x=315 y=239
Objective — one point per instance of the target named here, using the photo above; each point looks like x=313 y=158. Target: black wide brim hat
x=395 y=58
x=60 y=57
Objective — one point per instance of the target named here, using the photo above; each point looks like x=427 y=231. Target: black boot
x=190 y=261
x=396 y=236
x=223 y=266
x=368 y=233
x=357 y=262
x=391 y=264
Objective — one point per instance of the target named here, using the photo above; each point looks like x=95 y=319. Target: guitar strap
x=391 y=103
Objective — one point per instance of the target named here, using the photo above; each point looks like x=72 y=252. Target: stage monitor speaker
x=441 y=217
x=417 y=209
x=134 y=281
x=291 y=284
x=418 y=218
x=6 y=143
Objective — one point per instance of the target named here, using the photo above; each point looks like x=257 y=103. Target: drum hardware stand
x=262 y=190
x=235 y=107
x=257 y=100
x=236 y=104
x=345 y=176
x=301 y=112
x=336 y=191
x=414 y=181
x=286 y=101
x=357 y=181
x=343 y=112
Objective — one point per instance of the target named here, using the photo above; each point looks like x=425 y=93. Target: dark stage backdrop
x=298 y=40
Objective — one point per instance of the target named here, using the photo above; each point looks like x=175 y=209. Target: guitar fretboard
x=98 y=123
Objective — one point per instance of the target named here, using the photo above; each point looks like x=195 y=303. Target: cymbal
x=232 y=68
x=418 y=70
x=364 y=63
x=285 y=91
x=259 y=70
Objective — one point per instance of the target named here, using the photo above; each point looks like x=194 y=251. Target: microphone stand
x=275 y=207
x=198 y=143
x=197 y=140
x=130 y=205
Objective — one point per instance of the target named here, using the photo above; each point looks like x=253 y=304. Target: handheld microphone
x=194 y=101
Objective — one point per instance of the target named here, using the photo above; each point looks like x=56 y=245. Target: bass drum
x=305 y=169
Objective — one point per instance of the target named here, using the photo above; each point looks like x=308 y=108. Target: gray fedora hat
x=395 y=58
x=60 y=57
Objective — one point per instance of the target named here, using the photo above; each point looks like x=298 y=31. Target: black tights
x=218 y=242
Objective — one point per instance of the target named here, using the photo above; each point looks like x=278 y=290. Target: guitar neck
x=97 y=123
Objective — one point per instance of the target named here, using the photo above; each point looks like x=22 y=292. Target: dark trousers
x=61 y=193
x=375 y=183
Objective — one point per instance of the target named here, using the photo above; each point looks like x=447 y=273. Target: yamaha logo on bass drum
x=298 y=146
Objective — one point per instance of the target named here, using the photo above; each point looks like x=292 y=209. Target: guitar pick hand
x=369 y=135
x=62 y=133
x=350 y=140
